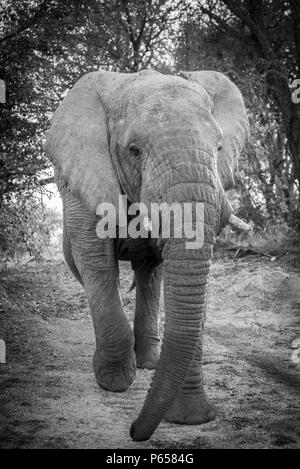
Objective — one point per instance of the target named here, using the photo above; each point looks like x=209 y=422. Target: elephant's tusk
x=239 y=224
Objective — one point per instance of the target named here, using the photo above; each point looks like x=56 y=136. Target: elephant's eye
x=220 y=147
x=134 y=150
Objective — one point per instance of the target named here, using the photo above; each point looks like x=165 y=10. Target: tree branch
x=254 y=27
x=229 y=30
x=295 y=7
x=40 y=13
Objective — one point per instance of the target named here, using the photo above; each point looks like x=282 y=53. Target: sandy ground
x=49 y=397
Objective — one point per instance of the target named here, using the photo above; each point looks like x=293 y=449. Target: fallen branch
x=242 y=251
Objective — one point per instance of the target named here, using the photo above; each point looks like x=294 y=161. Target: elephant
x=153 y=138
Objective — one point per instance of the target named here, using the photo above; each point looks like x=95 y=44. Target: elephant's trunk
x=186 y=274
x=184 y=297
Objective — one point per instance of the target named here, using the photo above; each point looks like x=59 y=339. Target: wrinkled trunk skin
x=184 y=297
x=185 y=274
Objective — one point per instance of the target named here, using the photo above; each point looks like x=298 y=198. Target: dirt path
x=49 y=398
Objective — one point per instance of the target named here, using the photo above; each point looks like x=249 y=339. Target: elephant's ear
x=78 y=144
x=230 y=114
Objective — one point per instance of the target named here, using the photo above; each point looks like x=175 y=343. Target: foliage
x=45 y=46
x=212 y=37
x=268 y=188
x=29 y=228
x=23 y=228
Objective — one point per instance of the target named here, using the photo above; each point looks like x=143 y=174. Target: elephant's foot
x=192 y=409
x=114 y=376
x=147 y=353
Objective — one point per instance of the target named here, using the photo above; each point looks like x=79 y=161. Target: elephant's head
x=157 y=138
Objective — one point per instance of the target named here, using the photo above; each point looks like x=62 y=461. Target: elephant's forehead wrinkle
x=144 y=112
x=150 y=93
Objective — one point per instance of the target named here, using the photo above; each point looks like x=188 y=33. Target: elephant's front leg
x=94 y=258
x=147 y=343
x=114 y=358
x=191 y=405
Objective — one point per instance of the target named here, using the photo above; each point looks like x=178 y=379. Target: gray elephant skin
x=155 y=138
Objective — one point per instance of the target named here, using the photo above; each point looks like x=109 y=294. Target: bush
x=26 y=227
